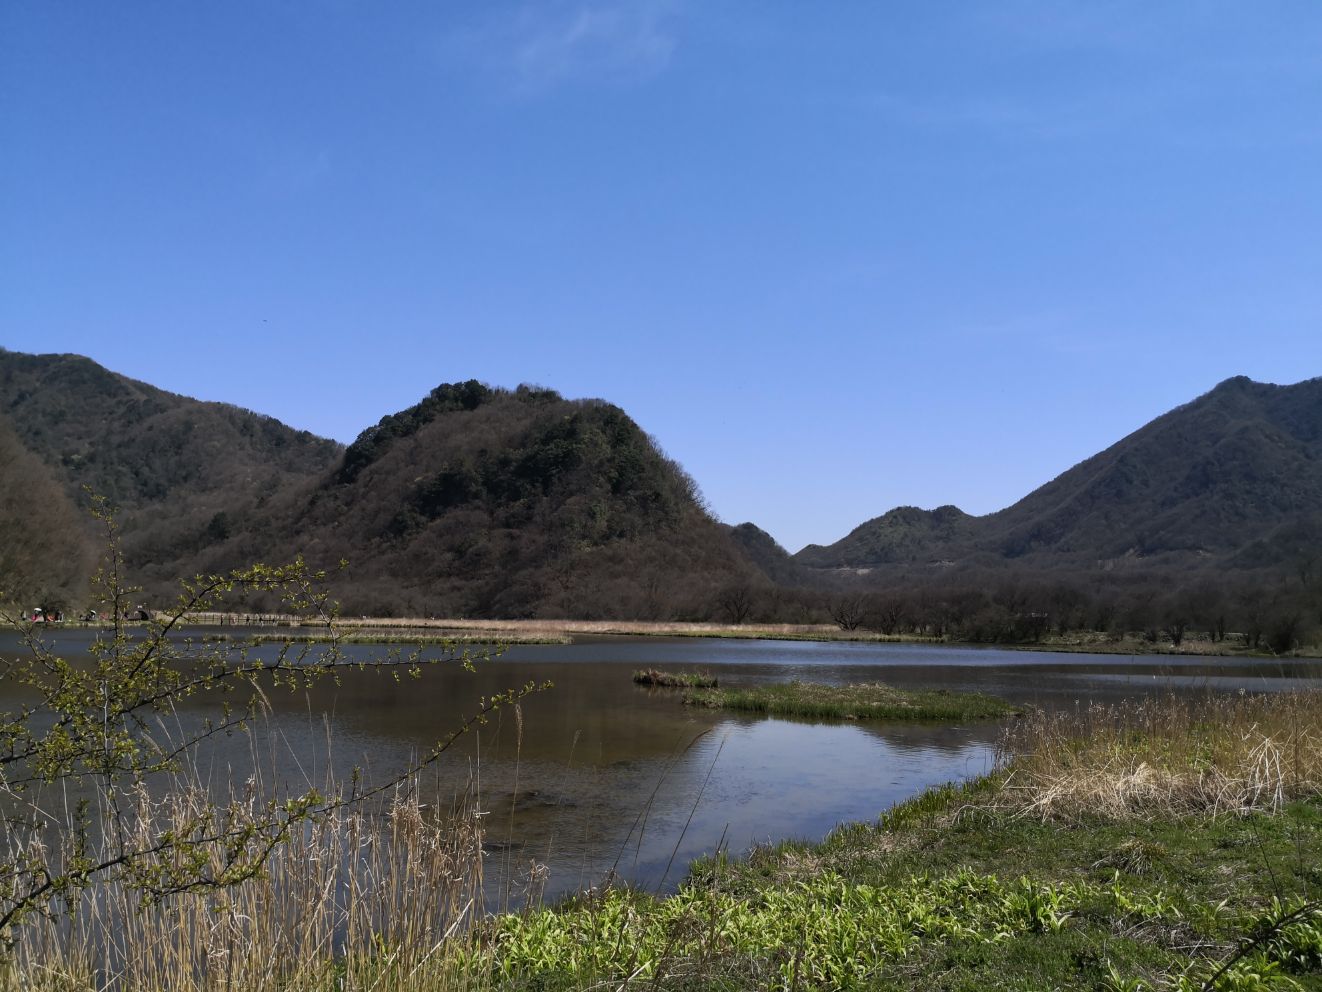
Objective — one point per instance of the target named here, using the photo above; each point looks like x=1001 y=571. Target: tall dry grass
x=1213 y=755
x=362 y=898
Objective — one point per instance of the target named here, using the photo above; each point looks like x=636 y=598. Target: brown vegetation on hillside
x=480 y=502
x=44 y=551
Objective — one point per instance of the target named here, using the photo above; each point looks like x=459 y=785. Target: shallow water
x=599 y=775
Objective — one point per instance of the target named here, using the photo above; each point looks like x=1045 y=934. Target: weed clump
x=675 y=680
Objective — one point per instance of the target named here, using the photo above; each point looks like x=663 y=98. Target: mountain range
x=1222 y=479
x=474 y=501
x=481 y=501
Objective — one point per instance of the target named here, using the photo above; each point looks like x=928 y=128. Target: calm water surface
x=599 y=775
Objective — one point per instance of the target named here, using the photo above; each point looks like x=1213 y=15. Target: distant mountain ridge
x=1206 y=480
x=481 y=501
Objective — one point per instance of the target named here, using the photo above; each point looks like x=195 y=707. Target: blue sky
x=835 y=257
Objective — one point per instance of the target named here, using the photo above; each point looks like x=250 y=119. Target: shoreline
x=1060 y=869
x=400 y=630
x=397 y=630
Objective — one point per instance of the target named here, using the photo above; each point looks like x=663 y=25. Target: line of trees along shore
x=1268 y=612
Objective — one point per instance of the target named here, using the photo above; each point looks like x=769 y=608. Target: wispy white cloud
x=540 y=46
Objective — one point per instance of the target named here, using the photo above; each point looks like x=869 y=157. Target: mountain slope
x=44 y=549
x=767 y=556
x=1205 y=480
x=182 y=471
x=491 y=502
x=513 y=503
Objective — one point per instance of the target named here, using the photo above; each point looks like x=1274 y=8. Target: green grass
x=868 y=701
x=981 y=886
x=956 y=896
x=675 y=680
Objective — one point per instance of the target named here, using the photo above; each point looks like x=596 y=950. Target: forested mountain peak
x=1204 y=480
x=448 y=397
x=507 y=502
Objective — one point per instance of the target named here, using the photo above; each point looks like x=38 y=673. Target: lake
x=599 y=775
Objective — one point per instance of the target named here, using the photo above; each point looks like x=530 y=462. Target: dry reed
x=360 y=898
x=1211 y=755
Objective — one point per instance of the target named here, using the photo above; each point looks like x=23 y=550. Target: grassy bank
x=395 y=637
x=1163 y=845
x=1187 y=858
x=955 y=893
x=867 y=701
x=407 y=630
x=1075 y=641
x=561 y=631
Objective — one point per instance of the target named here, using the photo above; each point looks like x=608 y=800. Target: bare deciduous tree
x=735 y=601
x=847 y=612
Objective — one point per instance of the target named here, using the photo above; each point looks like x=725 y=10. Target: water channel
x=598 y=774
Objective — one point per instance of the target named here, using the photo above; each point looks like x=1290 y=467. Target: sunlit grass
x=980 y=886
x=374 y=896
x=1167 y=756
x=1063 y=868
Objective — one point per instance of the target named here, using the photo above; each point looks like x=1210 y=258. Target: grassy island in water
x=866 y=701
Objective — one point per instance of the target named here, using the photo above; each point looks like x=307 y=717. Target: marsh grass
x=375 y=896
x=1168 y=756
x=675 y=680
x=397 y=637
x=964 y=887
x=563 y=631
x=866 y=701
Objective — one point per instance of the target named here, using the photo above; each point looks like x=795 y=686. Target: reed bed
x=675 y=680
x=559 y=631
x=402 y=637
x=654 y=628
x=865 y=701
x=1171 y=756
x=378 y=897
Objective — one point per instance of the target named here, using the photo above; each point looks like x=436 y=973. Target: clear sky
x=836 y=257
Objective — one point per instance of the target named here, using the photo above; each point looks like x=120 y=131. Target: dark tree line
x=1277 y=611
